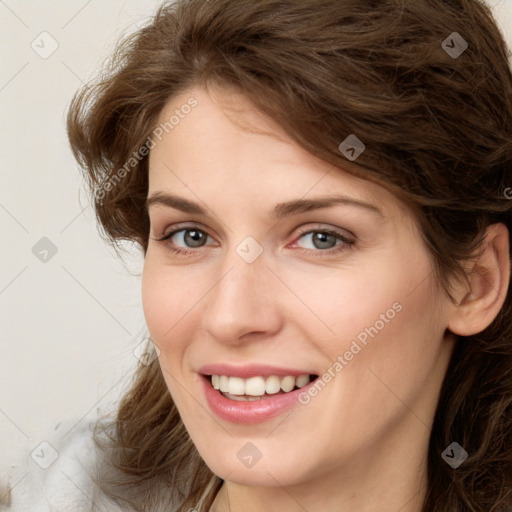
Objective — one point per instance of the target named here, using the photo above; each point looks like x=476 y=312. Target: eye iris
x=194 y=238
x=320 y=239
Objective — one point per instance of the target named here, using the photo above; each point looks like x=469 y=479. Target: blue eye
x=192 y=238
x=322 y=239
x=187 y=241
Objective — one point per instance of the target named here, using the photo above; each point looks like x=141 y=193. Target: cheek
x=164 y=303
x=381 y=315
x=342 y=304
x=156 y=302
x=167 y=309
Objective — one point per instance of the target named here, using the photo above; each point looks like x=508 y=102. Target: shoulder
x=55 y=474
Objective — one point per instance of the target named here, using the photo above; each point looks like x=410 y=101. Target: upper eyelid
x=176 y=230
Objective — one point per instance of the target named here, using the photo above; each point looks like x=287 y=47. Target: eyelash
x=347 y=243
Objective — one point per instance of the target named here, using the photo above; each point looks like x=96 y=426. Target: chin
x=269 y=471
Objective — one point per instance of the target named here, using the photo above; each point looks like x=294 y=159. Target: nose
x=244 y=303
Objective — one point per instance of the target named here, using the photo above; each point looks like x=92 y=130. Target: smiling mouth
x=258 y=387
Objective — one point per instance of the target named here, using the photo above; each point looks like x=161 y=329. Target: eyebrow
x=280 y=210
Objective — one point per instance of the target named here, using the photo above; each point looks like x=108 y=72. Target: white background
x=68 y=327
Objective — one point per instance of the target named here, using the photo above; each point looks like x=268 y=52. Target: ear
x=488 y=276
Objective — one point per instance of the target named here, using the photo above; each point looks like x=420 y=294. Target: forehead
x=223 y=145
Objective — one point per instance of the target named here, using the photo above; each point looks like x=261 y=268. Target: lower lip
x=250 y=412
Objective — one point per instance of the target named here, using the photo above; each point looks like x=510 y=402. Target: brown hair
x=438 y=131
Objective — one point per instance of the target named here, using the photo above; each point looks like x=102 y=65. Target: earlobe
x=488 y=277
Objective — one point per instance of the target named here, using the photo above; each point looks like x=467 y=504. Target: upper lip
x=251 y=370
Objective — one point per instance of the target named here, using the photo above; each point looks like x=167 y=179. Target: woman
x=319 y=189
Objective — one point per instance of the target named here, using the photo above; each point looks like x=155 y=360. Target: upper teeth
x=257 y=386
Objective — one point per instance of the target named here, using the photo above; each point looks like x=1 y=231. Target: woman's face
x=280 y=267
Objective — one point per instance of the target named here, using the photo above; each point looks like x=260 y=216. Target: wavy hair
x=437 y=127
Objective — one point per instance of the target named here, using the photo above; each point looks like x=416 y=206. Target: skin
x=361 y=443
